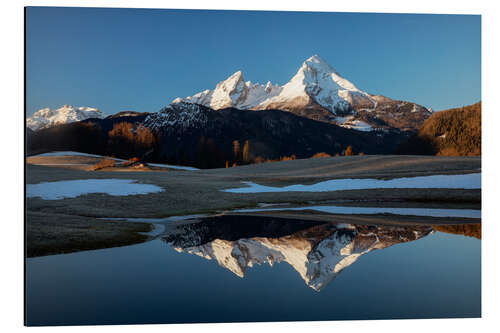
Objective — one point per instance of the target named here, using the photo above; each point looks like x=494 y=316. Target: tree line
x=245 y=156
x=131 y=140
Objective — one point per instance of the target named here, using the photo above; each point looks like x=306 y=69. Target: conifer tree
x=348 y=151
x=246 y=152
x=236 y=150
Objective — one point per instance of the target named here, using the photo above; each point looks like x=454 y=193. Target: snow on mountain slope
x=351 y=122
x=47 y=117
x=233 y=92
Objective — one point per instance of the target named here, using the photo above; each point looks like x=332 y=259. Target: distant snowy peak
x=47 y=117
x=234 y=92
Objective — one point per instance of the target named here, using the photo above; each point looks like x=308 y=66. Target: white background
x=12 y=124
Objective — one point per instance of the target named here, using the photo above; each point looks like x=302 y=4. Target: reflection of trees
x=470 y=230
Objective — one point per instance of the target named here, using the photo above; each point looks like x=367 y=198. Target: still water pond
x=263 y=269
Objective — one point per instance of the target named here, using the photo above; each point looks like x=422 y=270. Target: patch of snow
x=170 y=166
x=433 y=212
x=75 y=153
x=74 y=188
x=468 y=181
x=59 y=164
x=156 y=220
x=352 y=123
x=69 y=153
x=359 y=125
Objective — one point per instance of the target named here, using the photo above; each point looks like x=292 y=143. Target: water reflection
x=469 y=230
x=318 y=251
x=438 y=276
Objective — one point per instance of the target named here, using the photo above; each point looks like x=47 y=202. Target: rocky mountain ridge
x=318 y=92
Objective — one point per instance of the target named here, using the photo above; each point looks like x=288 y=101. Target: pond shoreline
x=201 y=192
x=112 y=232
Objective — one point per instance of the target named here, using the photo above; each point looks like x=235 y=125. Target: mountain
x=318 y=251
x=453 y=132
x=196 y=135
x=318 y=92
x=317 y=111
x=47 y=117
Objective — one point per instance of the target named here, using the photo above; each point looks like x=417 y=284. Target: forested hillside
x=453 y=132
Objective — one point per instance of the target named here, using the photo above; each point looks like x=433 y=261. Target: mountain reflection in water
x=318 y=251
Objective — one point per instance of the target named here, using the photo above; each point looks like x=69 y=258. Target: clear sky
x=141 y=59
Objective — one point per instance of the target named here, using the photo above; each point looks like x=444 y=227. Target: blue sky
x=141 y=59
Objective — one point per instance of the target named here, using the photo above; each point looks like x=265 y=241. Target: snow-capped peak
x=228 y=92
x=231 y=82
x=322 y=69
x=317 y=62
x=268 y=87
x=316 y=82
x=47 y=117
